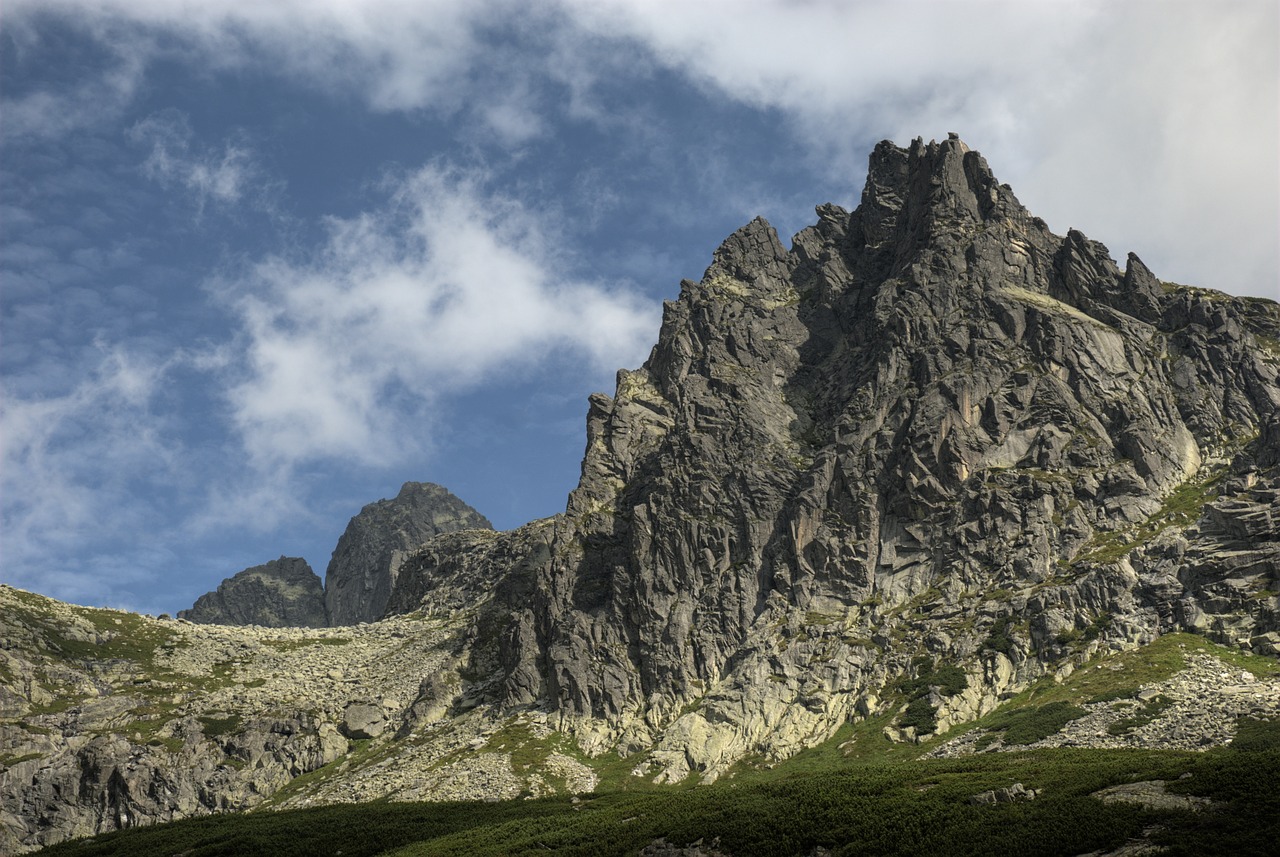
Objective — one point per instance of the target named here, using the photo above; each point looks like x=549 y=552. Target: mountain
x=284 y=592
x=933 y=480
x=287 y=593
x=932 y=429
x=367 y=560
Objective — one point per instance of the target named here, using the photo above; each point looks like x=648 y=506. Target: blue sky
x=262 y=262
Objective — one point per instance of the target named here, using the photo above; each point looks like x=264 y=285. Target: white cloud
x=96 y=97
x=70 y=469
x=1150 y=125
x=345 y=356
x=339 y=361
x=399 y=55
x=221 y=176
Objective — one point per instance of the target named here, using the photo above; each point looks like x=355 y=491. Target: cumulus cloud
x=1151 y=125
x=344 y=356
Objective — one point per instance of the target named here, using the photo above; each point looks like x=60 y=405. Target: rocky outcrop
x=367 y=560
x=282 y=593
x=932 y=429
x=1197 y=708
x=109 y=719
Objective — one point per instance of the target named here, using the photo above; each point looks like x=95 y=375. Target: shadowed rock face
x=279 y=594
x=367 y=560
x=927 y=416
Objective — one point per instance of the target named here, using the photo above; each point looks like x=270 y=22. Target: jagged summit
x=361 y=573
x=924 y=405
x=366 y=562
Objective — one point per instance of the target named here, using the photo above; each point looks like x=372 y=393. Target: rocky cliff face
x=930 y=429
x=367 y=560
x=279 y=594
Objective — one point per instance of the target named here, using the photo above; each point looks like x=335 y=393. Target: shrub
x=999 y=640
x=1254 y=735
x=1029 y=725
x=921 y=715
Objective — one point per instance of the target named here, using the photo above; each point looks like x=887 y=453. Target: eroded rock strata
x=928 y=424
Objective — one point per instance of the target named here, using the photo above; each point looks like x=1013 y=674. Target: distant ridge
x=361 y=574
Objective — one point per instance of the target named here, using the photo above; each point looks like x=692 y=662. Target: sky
x=262 y=262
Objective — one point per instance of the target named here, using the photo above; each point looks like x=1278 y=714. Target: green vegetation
x=1150 y=710
x=1255 y=735
x=360 y=753
x=856 y=794
x=948 y=680
x=1094 y=630
x=906 y=808
x=999 y=640
x=110 y=635
x=1029 y=725
x=921 y=716
x=216 y=727
x=1180 y=509
x=1121 y=693
x=1268 y=343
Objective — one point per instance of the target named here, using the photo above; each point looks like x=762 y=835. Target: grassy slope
x=916 y=807
x=857 y=794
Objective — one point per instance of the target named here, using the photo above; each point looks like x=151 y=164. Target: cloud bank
x=1152 y=125
x=344 y=356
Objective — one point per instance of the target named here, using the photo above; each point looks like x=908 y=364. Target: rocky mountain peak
x=284 y=592
x=366 y=562
x=854 y=452
x=896 y=475
x=928 y=188
x=753 y=254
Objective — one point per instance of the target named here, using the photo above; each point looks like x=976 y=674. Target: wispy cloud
x=108 y=87
x=222 y=175
x=340 y=360
x=397 y=55
x=1110 y=117
x=344 y=356
x=71 y=469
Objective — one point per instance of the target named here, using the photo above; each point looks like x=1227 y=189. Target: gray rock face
x=363 y=720
x=367 y=560
x=279 y=594
x=931 y=426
